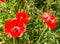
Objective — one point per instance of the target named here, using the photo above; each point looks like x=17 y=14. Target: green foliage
x=37 y=32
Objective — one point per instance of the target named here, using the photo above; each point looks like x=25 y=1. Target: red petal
x=10 y=28
x=51 y=24
x=49 y=20
x=23 y=16
x=2 y=0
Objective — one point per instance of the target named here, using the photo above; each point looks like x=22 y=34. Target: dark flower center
x=16 y=29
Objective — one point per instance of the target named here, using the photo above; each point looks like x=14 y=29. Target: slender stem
x=47 y=5
x=41 y=35
x=57 y=36
x=13 y=40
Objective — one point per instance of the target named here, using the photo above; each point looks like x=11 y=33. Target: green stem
x=47 y=5
x=41 y=35
x=13 y=40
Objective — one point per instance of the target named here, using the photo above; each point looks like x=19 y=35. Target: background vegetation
x=37 y=32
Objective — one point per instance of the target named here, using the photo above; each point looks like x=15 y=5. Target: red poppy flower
x=2 y=0
x=23 y=16
x=14 y=28
x=49 y=20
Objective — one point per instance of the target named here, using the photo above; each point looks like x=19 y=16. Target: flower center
x=21 y=17
x=16 y=29
x=53 y=21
